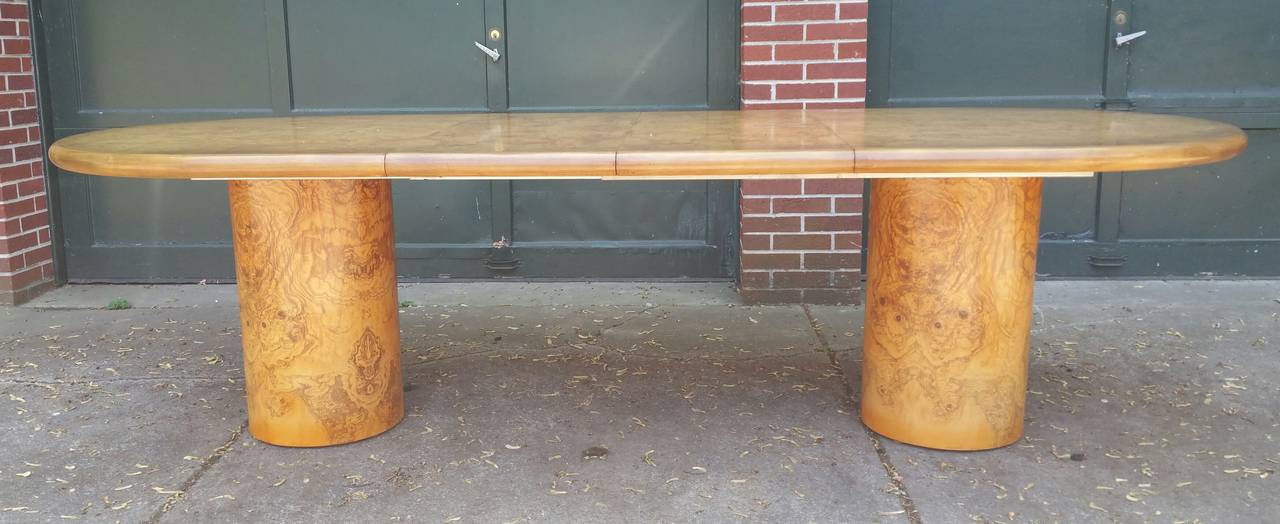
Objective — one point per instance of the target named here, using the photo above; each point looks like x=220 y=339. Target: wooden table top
x=687 y=145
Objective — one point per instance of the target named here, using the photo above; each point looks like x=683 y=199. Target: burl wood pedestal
x=950 y=271
x=952 y=241
x=315 y=267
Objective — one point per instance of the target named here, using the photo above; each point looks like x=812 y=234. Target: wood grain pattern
x=315 y=268
x=1012 y=140
x=898 y=142
x=950 y=272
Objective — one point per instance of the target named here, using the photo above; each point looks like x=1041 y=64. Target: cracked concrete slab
x=1149 y=402
x=110 y=450
x=472 y=294
x=840 y=326
x=511 y=437
x=96 y=344
x=434 y=332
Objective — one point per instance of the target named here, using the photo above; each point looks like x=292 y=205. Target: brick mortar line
x=788 y=42
x=16 y=182
x=27 y=269
x=23 y=232
x=800 y=195
x=891 y=471
x=23 y=198
x=837 y=62
x=832 y=45
x=818 y=214
x=797 y=233
x=804 y=101
x=25 y=250
x=802 y=252
x=776 y=23
x=794 y=2
x=803 y=82
x=19 y=217
x=778 y=270
x=806 y=2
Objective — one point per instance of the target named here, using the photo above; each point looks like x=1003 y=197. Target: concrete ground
x=1148 y=402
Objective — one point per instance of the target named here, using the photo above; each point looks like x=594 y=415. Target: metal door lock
x=493 y=53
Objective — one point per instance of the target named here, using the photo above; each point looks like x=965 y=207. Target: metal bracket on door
x=1122 y=104
x=493 y=53
x=1107 y=261
x=502 y=257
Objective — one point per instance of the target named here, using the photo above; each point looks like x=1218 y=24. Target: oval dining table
x=952 y=233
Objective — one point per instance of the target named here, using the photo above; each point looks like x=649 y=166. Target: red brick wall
x=26 y=252
x=802 y=239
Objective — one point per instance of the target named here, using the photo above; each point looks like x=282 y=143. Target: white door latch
x=1121 y=39
x=493 y=53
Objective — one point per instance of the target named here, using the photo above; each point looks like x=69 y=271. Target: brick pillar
x=26 y=251
x=802 y=239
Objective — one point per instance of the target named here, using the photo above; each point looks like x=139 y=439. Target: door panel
x=998 y=52
x=1069 y=208
x=130 y=62
x=443 y=212
x=1206 y=56
x=174 y=209
x=1218 y=61
x=593 y=54
x=147 y=61
x=180 y=46
x=1231 y=200
x=614 y=55
x=372 y=57
x=669 y=211
x=1211 y=60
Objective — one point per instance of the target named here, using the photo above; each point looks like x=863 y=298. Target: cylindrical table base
x=315 y=268
x=950 y=273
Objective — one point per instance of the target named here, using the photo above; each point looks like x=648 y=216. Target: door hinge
x=502 y=257
x=1107 y=261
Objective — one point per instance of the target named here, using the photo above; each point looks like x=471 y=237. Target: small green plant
x=408 y=303
x=119 y=304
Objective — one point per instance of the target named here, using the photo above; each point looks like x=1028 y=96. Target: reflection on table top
x=641 y=145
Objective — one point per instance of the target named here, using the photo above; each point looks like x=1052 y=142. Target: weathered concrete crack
x=83 y=382
x=205 y=465
x=895 y=479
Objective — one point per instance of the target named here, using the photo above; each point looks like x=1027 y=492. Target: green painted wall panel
x=193 y=53
x=594 y=54
x=388 y=54
x=130 y=62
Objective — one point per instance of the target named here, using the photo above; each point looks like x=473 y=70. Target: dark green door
x=1212 y=60
x=130 y=62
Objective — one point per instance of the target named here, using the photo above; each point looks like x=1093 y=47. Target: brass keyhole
x=495 y=34
x=1121 y=17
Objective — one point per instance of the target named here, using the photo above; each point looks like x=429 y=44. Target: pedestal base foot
x=950 y=274
x=315 y=268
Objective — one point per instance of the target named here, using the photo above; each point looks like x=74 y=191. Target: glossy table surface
x=900 y=143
